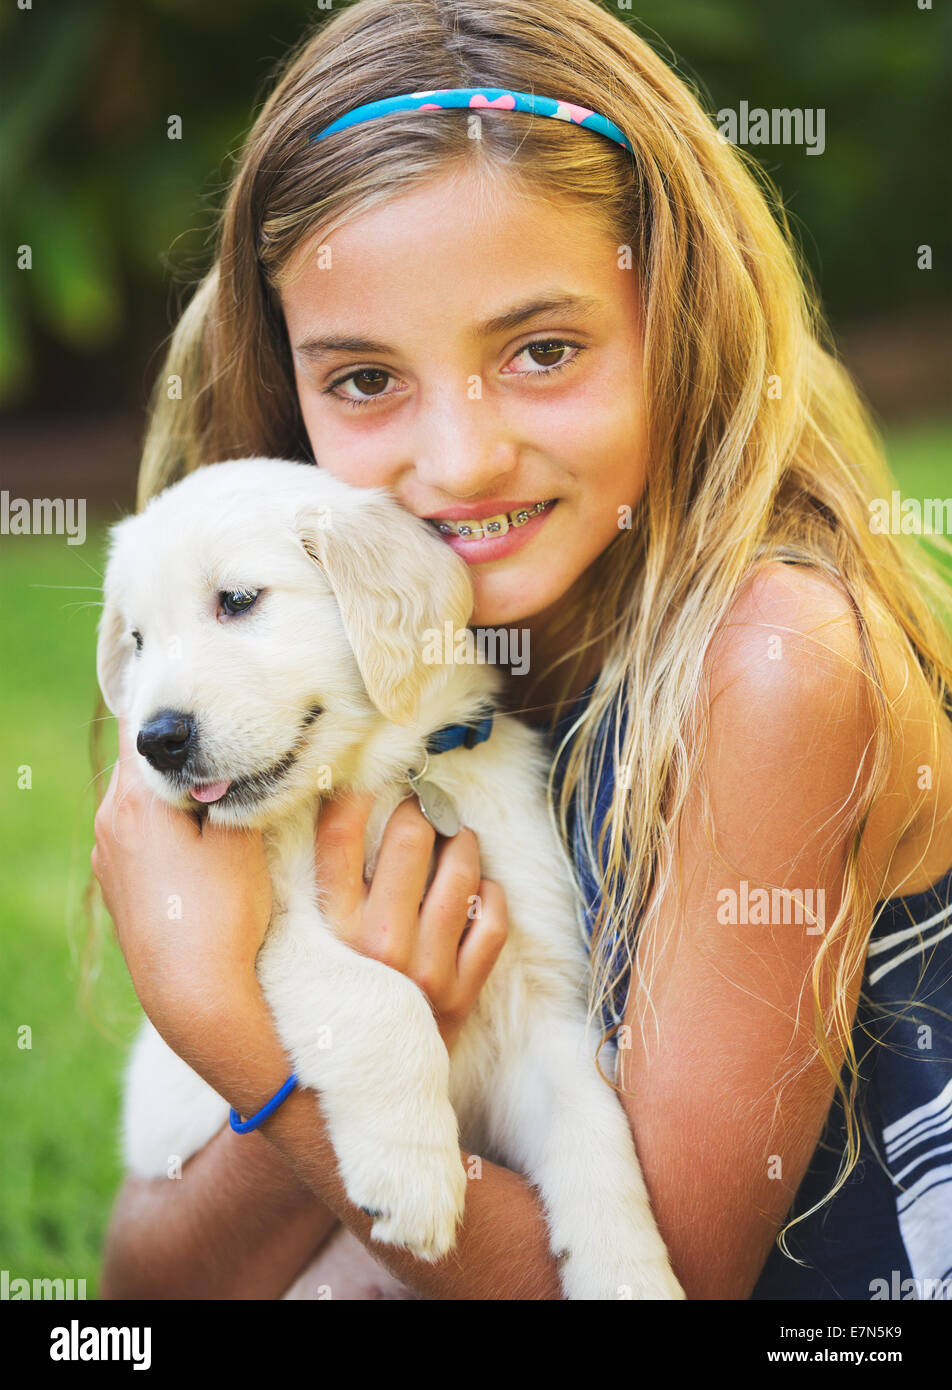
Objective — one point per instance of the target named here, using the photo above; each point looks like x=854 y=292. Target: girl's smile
x=480 y=539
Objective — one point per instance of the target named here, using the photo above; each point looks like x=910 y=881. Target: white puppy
x=264 y=632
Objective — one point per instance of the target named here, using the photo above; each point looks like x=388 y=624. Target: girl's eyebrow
x=579 y=305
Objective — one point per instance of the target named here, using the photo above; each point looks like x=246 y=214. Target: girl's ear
x=112 y=648
x=394 y=582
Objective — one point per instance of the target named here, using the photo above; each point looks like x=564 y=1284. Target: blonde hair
x=737 y=476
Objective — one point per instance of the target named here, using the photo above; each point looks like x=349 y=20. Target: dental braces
x=493 y=525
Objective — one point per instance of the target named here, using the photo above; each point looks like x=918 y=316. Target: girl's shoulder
x=792 y=639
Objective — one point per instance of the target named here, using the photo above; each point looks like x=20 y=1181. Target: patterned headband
x=485 y=98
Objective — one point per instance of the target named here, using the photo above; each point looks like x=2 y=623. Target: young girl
x=590 y=305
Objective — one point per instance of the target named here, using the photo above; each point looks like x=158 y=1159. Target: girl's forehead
x=466 y=210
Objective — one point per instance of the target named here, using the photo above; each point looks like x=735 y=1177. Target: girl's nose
x=463 y=448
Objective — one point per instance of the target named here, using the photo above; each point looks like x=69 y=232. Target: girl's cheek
x=357 y=458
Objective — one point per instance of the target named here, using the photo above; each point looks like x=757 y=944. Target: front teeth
x=490 y=525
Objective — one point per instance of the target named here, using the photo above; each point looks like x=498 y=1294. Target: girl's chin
x=505 y=603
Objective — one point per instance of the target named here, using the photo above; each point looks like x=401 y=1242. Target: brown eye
x=550 y=356
x=370 y=382
x=543 y=353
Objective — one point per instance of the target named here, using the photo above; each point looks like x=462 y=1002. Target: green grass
x=59 y=1100
x=921 y=458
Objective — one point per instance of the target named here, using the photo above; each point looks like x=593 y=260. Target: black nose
x=167 y=740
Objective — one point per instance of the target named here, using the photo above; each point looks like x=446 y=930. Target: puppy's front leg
x=572 y=1139
x=364 y=1036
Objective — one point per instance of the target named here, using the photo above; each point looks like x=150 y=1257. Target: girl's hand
x=190 y=907
x=446 y=942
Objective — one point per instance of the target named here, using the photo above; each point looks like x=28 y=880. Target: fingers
x=448 y=910
x=339 y=851
x=128 y=760
x=402 y=865
x=128 y=792
x=125 y=770
x=449 y=942
x=126 y=745
x=482 y=944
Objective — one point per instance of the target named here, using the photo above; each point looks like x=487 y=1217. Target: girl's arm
x=237 y=1224
x=727 y=1108
x=502 y=1244
x=240 y=1224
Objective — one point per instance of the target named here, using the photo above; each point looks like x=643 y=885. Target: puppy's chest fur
x=498 y=789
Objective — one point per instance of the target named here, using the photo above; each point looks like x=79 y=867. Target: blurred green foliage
x=110 y=205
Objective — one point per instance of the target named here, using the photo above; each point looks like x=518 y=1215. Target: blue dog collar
x=460 y=736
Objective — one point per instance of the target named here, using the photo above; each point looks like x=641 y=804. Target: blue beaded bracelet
x=241 y=1126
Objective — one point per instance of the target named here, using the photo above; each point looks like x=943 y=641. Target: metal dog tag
x=437 y=807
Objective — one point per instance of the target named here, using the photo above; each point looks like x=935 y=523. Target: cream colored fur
x=350 y=583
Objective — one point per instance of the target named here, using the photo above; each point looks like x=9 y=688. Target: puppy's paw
x=415 y=1191
x=597 y=1275
x=427 y=1204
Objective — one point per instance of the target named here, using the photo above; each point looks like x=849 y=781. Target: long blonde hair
x=759 y=447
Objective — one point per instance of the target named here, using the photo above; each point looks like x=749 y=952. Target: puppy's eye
x=235 y=601
x=138 y=636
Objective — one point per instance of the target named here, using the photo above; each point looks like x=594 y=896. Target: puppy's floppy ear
x=393 y=580
x=112 y=648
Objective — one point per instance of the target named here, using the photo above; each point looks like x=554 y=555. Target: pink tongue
x=211 y=791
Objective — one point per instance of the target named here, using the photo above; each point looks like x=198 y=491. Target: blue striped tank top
x=887 y=1233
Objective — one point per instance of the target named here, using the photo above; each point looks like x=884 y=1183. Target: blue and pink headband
x=482 y=98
